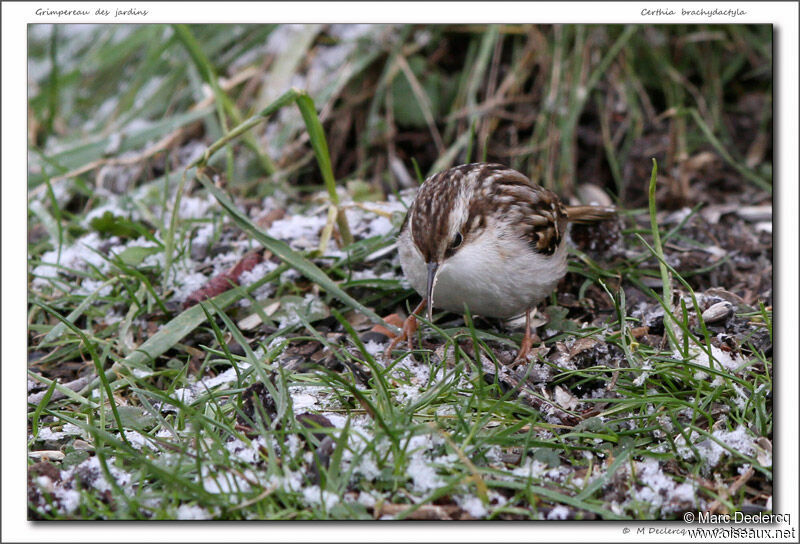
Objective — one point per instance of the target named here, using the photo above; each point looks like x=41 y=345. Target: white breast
x=494 y=277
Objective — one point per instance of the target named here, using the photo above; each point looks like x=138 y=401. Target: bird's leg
x=409 y=328
x=527 y=340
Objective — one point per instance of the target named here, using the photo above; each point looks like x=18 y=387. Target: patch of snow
x=188 y=395
x=291 y=481
x=533 y=468
x=741 y=398
x=256 y=273
x=472 y=505
x=740 y=440
x=184 y=394
x=699 y=356
x=203 y=235
x=226 y=482
x=111 y=318
x=139 y=441
x=90 y=285
x=186 y=284
x=196 y=207
x=293 y=444
x=302 y=402
x=299 y=231
x=559 y=512
x=366 y=499
x=368 y=468
x=289 y=276
x=223 y=262
x=45 y=483
x=91 y=473
x=309 y=305
x=277 y=342
x=361 y=441
x=445 y=410
x=381 y=226
x=192 y=512
x=407 y=394
x=659 y=490
x=141 y=373
x=314 y=496
x=230 y=375
x=418 y=371
x=247 y=453
x=118 y=205
x=423 y=475
x=79 y=256
x=69 y=499
x=69 y=429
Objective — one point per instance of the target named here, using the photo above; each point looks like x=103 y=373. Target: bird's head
x=439 y=222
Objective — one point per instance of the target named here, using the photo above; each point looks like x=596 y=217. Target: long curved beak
x=433 y=267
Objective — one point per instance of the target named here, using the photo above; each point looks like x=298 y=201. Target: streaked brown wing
x=537 y=210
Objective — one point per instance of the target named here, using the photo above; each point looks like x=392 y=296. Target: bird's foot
x=407 y=332
x=527 y=342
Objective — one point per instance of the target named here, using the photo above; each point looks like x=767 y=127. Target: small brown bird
x=484 y=237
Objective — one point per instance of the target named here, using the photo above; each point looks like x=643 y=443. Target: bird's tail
x=590 y=214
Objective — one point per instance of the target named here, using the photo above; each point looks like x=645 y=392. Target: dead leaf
x=564 y=398
x=223 y=282
x=273 y=215
x=581 y=344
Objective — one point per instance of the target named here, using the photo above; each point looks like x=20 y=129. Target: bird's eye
x=457 y=239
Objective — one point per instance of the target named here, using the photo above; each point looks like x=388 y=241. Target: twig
x=425 y=511
x=735 y=486
x=74 y=385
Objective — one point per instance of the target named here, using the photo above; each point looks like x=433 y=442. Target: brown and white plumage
x=484 y=236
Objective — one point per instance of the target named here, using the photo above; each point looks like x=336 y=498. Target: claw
x=527 y=341
x=407 y=334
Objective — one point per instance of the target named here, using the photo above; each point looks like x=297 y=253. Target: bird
x=484 y=237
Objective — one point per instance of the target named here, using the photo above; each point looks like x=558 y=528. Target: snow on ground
x=313 y=495
x=659 y=491
x=78 y=256
x=427 y=459
x=712 y=449
x=192 y=512
x=300 y=228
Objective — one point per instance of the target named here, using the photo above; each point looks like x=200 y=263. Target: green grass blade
x=666 y=281
x=320 y=145
x=59 y=328
x=42 y=405
x=97 y=362
x=184 y=323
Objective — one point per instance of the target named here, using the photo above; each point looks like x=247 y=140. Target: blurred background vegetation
x=564 y=104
